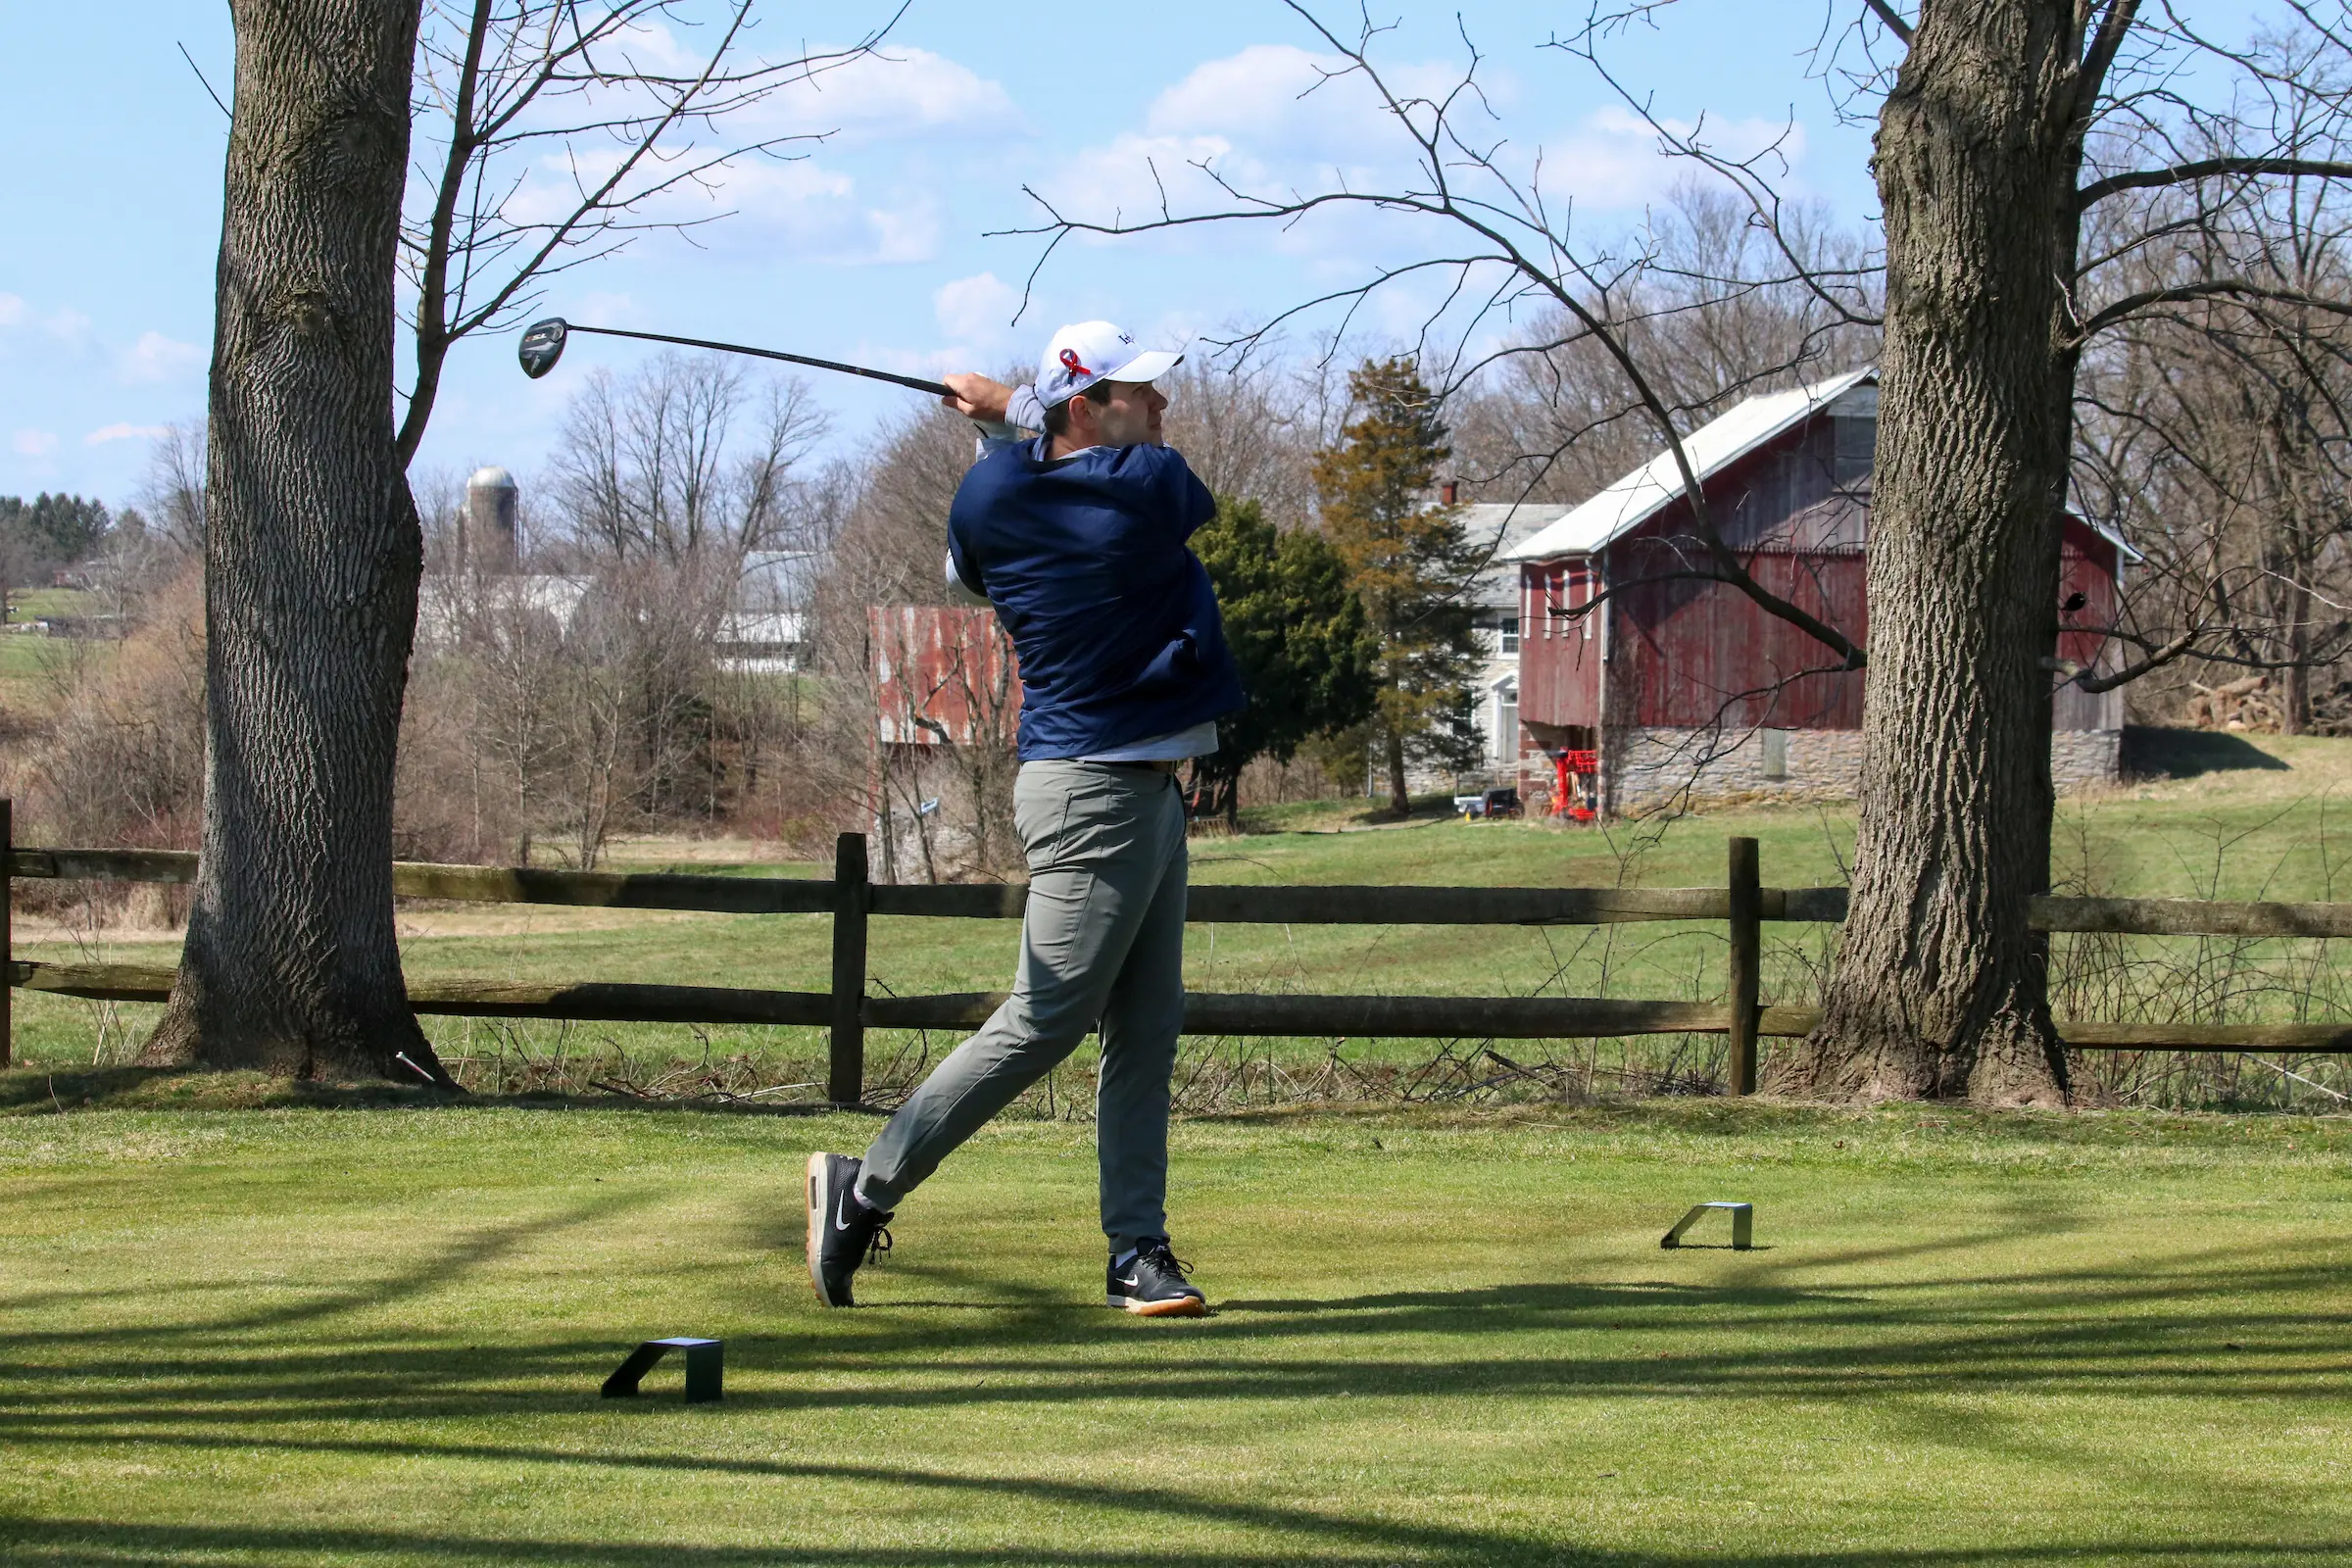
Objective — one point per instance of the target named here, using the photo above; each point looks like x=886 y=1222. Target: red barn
x=942 y=676
x=1686 y=685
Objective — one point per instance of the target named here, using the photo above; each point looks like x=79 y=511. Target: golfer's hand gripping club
x=977 y=397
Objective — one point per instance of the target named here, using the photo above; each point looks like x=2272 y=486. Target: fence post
x=1748 y=951
x=8 y=940
x=852 y=897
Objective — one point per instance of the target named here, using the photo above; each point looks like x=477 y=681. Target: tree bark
x=311 y=558
x=2294 y=681
x=1401 y=801
x=1939 y=987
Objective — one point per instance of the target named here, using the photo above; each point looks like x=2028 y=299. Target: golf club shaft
x=935 y=388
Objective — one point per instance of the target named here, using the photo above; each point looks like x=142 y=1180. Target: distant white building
x=764 y=631
x=446 y=605
x=1496 y=530
x=767 y=630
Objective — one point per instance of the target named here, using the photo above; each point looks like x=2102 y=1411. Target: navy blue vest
x=1111 y=615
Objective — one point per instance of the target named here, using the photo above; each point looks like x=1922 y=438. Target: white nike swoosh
x=1131 y=1282
x=839 y=1223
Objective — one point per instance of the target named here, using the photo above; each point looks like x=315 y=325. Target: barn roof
x=1642 y=494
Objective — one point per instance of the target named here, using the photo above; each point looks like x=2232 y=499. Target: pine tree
x=1410 y=566
x=1299 y=634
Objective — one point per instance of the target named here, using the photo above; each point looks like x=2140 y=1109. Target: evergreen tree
x=1299 y=634
x=70 y=529
x=46 y=535
x=1410 y=566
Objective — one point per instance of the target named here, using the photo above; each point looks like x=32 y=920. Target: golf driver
x=542 y=345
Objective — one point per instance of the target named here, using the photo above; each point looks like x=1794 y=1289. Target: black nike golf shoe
x=1152 y=1283
x=843 y=1232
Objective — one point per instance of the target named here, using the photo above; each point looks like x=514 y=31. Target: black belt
x=1165 y=766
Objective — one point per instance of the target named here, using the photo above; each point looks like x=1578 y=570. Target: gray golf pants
x=1102 y=940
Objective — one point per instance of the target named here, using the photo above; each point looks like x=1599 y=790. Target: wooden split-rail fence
x=852 y=899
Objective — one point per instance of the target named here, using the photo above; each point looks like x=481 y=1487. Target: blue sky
x=871 y=249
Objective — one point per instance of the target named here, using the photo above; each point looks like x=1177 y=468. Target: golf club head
x=542 y=345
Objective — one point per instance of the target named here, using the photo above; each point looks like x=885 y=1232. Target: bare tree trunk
x=2294 y=681
x=1939 y=987
x=1400 y=802
x=311 y=558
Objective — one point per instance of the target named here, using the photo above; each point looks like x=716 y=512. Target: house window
x=1856 y=445
x=1776 y=753
x=1510 y=635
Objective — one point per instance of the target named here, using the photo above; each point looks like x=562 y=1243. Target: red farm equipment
x=1577 y=795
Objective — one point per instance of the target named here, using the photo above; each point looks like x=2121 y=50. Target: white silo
x=489 y=521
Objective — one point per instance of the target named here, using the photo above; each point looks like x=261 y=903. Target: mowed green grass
x=374 y=1336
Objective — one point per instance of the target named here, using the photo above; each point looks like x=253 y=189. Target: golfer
x=1077 y=537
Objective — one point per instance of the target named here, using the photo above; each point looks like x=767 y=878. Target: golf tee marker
x=704 y=1369
x=1744 y=1225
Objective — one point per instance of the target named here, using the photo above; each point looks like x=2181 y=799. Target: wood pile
x=2248 y=705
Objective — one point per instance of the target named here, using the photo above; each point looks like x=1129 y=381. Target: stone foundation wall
x=2083 y=758
x=1648 y=768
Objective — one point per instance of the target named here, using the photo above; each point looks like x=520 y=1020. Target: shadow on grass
x=2151 y=753
x=2213 y=1323
x=34 y=1091
x=1312 y=1537
x=2212 y=1326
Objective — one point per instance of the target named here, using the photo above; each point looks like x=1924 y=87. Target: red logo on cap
x=1069 y=363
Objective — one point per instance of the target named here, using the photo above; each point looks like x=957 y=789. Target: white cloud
x=1128 y=178
x=807 y=212
x=1273 y=94
x=65 y=324
x=157 y=357
x=1612 y=159
x=792 y=209
x=976 y=309
x=1276 y=120
x=125 y=432
x=1267 y=120
x=35 y=443
x=786 y=203
x=896 y=93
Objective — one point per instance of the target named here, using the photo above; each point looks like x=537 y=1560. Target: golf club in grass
x=543 y=342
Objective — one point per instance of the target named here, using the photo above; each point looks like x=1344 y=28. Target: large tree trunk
x=1400 y=800
x=2294 y=681
x=1939 y=987
x=311 y=558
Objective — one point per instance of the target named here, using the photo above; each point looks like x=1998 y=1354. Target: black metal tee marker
x=705 y=1369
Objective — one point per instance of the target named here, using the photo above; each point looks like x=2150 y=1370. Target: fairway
x=374 y=1335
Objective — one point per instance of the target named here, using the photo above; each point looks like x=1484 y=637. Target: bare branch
x=2187 y=172
x=500 y=95
x=1460 y=182
x=2237 y=289
x=1889 y=18
x=2099 y=58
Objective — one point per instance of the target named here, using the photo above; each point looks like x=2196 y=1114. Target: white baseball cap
x=1079 y=356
